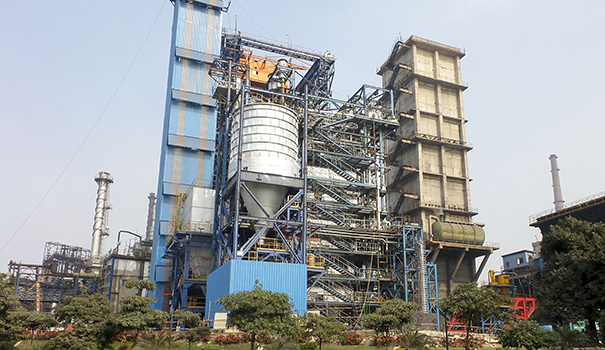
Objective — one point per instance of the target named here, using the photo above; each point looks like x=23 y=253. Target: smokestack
x=556 y=183
x=100 y=229
x=150 y=215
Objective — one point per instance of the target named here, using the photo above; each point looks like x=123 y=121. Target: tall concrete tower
x=189 y=136
x=100 y=229
x=429 y=181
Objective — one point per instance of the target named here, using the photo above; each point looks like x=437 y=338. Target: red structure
x=526 y=306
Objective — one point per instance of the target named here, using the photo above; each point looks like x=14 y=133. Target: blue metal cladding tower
x=188 y=140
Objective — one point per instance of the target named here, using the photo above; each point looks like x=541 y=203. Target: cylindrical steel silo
x=269 y=146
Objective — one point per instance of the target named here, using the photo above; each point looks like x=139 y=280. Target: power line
x=89 y=132
x=253 y=20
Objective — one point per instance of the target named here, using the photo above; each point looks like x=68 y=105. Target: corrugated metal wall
x=188 y=140
x=238 y=275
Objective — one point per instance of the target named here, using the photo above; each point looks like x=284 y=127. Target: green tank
x=460 y=233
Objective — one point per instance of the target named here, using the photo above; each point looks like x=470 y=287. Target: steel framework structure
x=64 y=272
x=419 y=275
x=334 y=218
x=188 y=285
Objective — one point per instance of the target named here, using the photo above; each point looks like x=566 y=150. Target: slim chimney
x=556 y=183
x=100 y=229
x=150 y=215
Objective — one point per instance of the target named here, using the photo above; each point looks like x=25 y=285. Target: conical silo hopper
x=269 y=146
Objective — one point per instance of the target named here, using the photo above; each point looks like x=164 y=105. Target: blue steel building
x=189 y=137
x=265 y=176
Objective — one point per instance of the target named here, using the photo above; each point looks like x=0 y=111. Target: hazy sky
x=534 y=70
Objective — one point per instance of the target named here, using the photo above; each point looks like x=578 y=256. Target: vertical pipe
x=150 y=216
x=18 y=279
x=304 y=173
x=238 y=174
x=377 y=165
x=220 y=187
x=556 y=183
x=38 y=296
x=406 y=272
x=113 y=263
x=422 y=285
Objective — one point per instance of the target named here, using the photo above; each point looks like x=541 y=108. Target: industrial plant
x=266 y=176
x=342 y=204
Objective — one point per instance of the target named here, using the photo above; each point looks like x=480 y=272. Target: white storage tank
x=269 y=146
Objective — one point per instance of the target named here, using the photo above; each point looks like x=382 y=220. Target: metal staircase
x=330 y=287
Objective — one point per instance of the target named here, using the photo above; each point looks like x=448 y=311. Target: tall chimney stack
x=556 y=183
x=150 y=216
x=100 y=229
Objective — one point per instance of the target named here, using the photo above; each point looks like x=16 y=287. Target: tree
x=140 y=285
x=323 y=328
x=89 y=315
x=73 y=340
x=570 y=338
x=135 y=315
x=84 y=311
x=35 y=321
x=259 y=312
x=187 y=318
x=195 y=334
x=192 y=323
x=10 y=307
x=573 y=278
x=392 y=314
x=528 y=334
x=468 y=302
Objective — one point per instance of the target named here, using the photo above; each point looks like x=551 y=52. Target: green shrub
x=352 y=339
x=308 y=346
x=412 y=339
x=282 y=342
x=71 y=340
x=156 y=340
x=526 y=334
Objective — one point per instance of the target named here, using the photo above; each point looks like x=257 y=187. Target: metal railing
x=196 y=303
x=585 y=200
x=270 y=244
x=316 y=262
